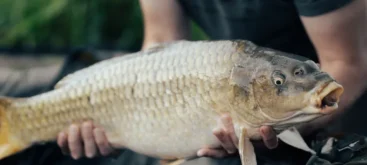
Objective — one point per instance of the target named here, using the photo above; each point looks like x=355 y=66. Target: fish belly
x=174 y=137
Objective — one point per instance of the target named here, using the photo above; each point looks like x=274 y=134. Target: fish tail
x=8 y=145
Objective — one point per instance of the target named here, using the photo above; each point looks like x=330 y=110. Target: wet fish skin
x=164 y=102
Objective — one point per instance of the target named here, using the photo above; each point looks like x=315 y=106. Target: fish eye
x=278 y=81
x=278 y=78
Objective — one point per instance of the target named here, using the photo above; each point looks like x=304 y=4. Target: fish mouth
x=328 y=96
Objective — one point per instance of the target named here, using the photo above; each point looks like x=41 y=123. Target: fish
x=165 y=101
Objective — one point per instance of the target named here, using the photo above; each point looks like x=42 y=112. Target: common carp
x=164 y=102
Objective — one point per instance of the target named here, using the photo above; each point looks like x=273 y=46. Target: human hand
x=85 y=140
x=229 y=140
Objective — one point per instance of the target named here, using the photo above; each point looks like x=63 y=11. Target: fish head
x=285 y=89
x=291 y=90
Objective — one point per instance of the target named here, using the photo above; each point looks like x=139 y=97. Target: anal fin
x=246 y=149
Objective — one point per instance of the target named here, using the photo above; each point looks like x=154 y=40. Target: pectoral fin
x=246 y=149
x=292 y=137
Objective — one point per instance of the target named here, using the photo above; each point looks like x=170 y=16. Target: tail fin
x=8 y=145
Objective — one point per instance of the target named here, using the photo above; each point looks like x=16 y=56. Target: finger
x=75 y=142
x=229 y=129
x=225 y=140
x=216 y=153
x=269 y=137
x=62 y=142
x=88 y=138
x=102 y=142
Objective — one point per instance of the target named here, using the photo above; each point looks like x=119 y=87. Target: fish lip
x=327 y=90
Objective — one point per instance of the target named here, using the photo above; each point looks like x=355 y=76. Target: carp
x=164 y=102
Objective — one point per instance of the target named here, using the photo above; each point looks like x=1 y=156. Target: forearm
x=340 y=41
x=164 y=21
x=352 y=76
x=347 y=63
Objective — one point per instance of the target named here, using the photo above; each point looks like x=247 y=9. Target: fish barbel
x=165 y=102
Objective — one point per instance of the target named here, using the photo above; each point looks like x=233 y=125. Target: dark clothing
x=271 y=23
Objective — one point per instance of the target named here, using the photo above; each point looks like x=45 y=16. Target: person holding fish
x=332 y=32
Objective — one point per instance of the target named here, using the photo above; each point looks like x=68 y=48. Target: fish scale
x=163 y=102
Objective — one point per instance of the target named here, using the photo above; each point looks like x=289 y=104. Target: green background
x=58 y=24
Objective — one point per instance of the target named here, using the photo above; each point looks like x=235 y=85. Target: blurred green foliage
x=69 y=23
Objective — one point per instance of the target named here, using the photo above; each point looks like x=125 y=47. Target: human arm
x=164 y=21
x=340 y=38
